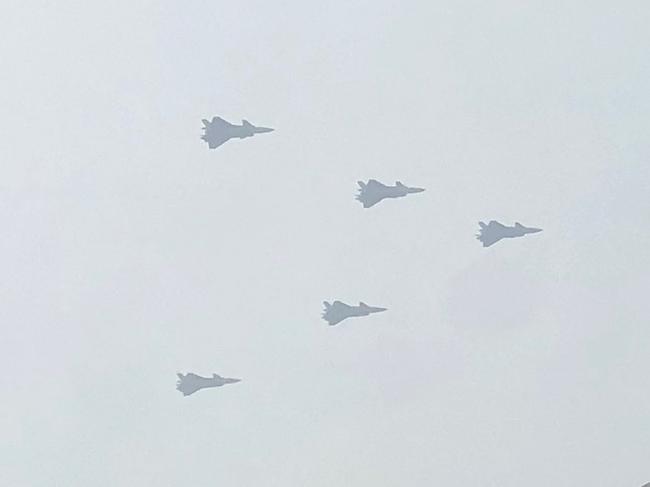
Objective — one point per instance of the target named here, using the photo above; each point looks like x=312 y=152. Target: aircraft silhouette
x=337 y=311
x=190 y=383
x=494 y=231
x=373 y=192
x=218 y=131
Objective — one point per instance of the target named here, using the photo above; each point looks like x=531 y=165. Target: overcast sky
x=130 y=251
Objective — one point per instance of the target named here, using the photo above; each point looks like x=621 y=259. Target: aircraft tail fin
x=361 y=184
x=326 y=310
x=482 y=225
x=247 y=124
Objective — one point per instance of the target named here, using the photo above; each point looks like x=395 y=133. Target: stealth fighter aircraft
x=218 y=131
x=190 y=383
x=373 y=192
x=337 y=311
x=494 y=231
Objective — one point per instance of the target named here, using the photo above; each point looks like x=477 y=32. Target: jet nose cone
x=416 y=190
x=377 y=310
x=534 y=230
x=263 y=130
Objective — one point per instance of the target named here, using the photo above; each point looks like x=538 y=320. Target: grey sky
x=131 y=252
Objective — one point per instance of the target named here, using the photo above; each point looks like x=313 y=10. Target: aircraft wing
x=496 y=224
x=488 y=240
x=336 y=313
x=336 y=307
x=334 y=318
x=371 y=194
x=374 y=184
x=489 y=236
x=217 y=122
x=335 y=321
x=369 y=200
x=215 y=141
x=215 y=131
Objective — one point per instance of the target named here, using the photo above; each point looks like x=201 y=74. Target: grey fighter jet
x=190 y=383
x=373 y=192
x=218 y=131
x=337 y=311
x=494 y=231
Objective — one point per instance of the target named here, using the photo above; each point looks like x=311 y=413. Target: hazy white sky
x=130 y=251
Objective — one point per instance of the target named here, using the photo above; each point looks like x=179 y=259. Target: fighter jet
x=190 y=383
x=494 y=231
x=218 y=131
x=373 y=192
x=337 y=311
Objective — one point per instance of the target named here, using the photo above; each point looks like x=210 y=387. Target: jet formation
x=494 y=231
x=337 y=311
x=218 y=131
x=190 y=383
x=373 y=192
